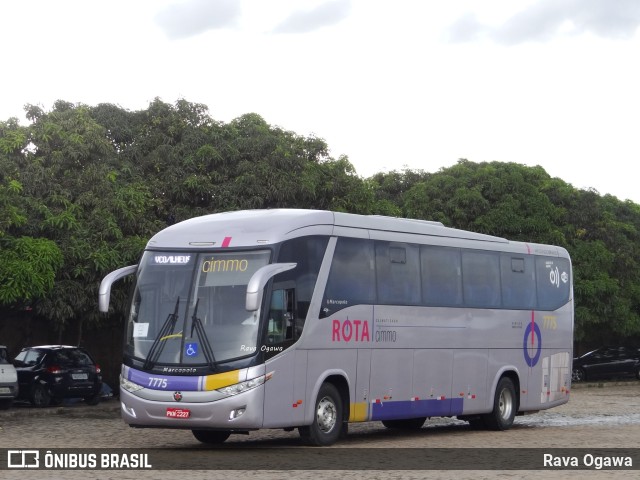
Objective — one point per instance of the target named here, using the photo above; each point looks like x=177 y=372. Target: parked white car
x=8 y=379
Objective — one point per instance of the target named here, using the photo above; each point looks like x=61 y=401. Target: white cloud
x=323 y=15
x=192 y=17
x=546 y=19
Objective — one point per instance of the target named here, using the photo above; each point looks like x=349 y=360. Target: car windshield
x=189 y=309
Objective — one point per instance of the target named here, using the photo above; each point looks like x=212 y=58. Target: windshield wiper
x=158 y=344
x=196 y=324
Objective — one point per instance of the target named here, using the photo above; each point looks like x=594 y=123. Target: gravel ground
x=597 y=416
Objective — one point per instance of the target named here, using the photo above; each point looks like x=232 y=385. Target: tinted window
x=397 y=273
x=351 y=279
x=481 y=279
x=553 y=282
x=518 y=282
x=72 y=358
x=293 y=289
x=441 y=276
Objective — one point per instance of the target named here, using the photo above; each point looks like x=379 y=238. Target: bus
x=311 y=320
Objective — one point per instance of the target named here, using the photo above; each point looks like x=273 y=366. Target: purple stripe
x=164 y=382
x=419 y=408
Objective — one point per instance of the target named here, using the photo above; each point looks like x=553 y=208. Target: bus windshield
x=189 y=308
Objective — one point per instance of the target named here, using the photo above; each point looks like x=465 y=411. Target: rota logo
x=348 y=330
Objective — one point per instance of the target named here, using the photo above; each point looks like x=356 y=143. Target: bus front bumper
x=240 y=412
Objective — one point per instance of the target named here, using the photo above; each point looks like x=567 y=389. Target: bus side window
x=281 y=316
x=352 y=277
x=518 y=282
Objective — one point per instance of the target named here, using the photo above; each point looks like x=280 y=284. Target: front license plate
x=178 y=413
x=79 y=376
x=5 y=390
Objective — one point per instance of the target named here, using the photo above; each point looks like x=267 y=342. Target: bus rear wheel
x=210 y=436
x=505 y=406
x=327 y=420
x=405 y=424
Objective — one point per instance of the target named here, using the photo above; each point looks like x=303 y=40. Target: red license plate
x=178 y=413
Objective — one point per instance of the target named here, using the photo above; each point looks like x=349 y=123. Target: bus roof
x=261 y=227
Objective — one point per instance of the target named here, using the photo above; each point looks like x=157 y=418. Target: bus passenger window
x=441 y=276
x=351 y=279
x=481 y=279
x=518 y=282
x=397 y=273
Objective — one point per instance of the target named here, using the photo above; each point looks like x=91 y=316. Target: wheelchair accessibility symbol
x=191 y=349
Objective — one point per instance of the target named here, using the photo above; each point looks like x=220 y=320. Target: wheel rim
x=39 y=396
x=505 y=404
x=326 y=415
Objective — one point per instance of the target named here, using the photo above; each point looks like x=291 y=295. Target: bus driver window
x=281 y=316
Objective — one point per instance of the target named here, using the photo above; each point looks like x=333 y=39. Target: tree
x=29 y=265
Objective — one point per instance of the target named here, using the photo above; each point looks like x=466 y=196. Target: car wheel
x=5 y=404
x=40 y=396
x=210 y=436
x=504 y=406
x=327 y=424
x=638 y=373
x=578 y=375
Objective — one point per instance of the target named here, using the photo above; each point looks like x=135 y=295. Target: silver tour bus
x=314 y=319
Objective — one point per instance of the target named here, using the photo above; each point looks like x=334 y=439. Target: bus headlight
x=244 y=386
x=129 y=386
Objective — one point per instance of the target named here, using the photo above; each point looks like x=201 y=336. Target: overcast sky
x=390 y=84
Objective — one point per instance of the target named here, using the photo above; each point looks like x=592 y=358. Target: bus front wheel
x=504 y=406
x=327 y=419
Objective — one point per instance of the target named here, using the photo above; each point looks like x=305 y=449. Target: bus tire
x=211 y=436
x=405 y=424
x=327 y=424
x=505 y=405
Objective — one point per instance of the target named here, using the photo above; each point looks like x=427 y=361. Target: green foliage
x=83 y=188
x=28 y=268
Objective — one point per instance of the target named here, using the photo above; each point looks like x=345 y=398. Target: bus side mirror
x=259 y=280
x=104 y=293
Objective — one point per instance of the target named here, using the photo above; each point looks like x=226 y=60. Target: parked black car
x=607 y=362
x=50 y=373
